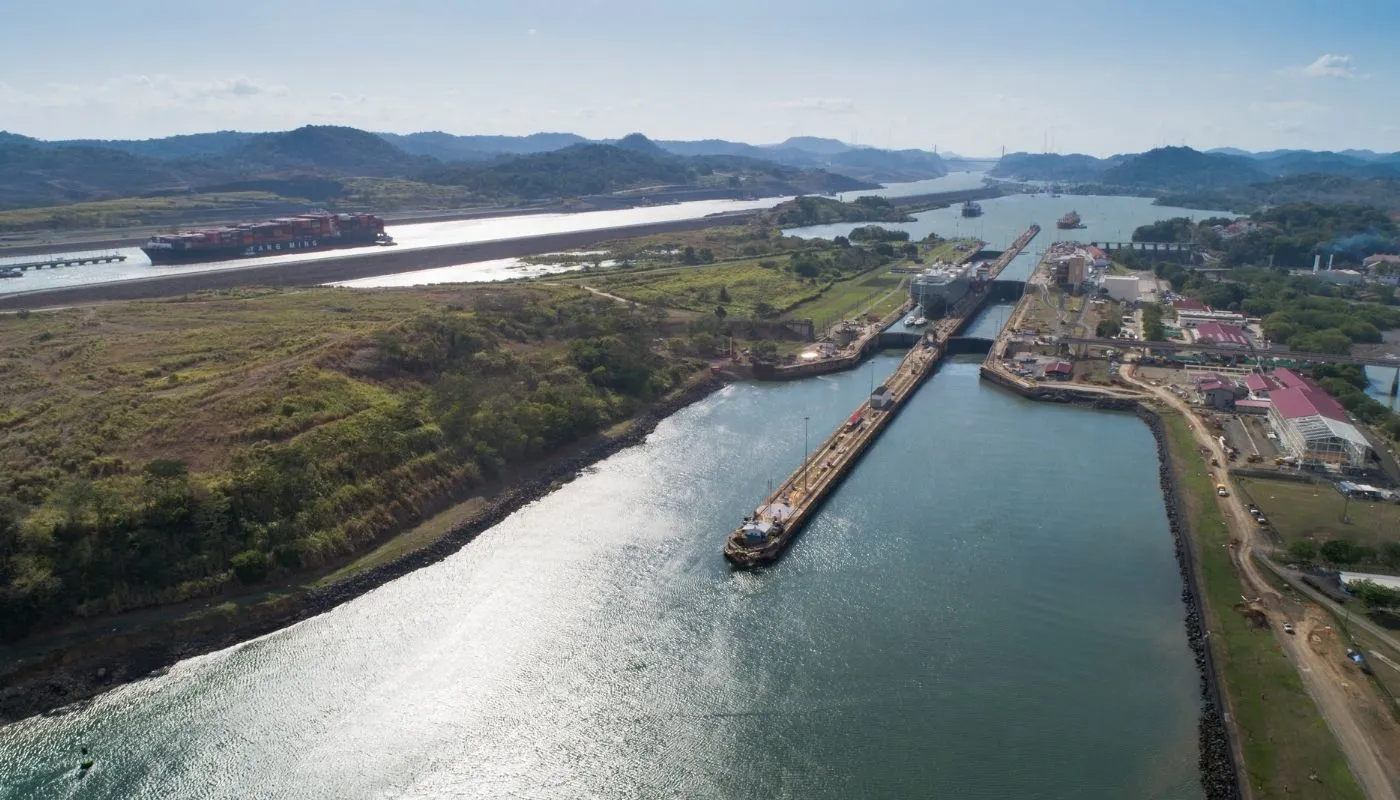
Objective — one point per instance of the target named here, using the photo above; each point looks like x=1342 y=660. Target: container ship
x=319 y=231
x=971 y=209
x=1070 y=221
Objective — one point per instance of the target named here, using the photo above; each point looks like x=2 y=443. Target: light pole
x=806 y=455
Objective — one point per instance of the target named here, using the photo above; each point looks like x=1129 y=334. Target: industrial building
x=1314 y=428
x=1123 y=288
x=1214 y=333
x=1192 y=319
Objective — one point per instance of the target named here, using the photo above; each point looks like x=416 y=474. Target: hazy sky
x=970 y=76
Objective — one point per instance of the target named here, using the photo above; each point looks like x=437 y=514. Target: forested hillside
x=152 y=452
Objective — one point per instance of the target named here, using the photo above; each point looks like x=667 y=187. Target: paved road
x=1370 y=742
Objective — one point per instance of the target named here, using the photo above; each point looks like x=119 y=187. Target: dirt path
x=1365 y=730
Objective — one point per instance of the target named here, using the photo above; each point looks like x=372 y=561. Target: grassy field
x=746 y=283
x=1314 y=511
x=1283 y=736
x=393 y=194
x=133 y=211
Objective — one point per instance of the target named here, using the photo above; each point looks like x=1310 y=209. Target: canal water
x=988 y=608
x=1106 y=218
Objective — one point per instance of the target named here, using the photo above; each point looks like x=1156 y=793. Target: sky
x=970 y=76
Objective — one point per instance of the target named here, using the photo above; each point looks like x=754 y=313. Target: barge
x=771 y=528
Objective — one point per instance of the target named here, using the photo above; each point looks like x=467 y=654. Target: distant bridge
x=1239 y=352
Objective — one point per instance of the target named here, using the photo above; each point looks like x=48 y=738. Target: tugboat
x=11 y=272
x=1070 y=221
x=971 y=209
x=914 y=316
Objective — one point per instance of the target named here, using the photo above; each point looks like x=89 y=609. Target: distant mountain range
x=309 y=163
x=34 y=172
x=1181 y=168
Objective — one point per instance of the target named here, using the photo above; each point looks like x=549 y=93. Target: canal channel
x=988 y=607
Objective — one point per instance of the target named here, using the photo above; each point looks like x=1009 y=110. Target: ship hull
x=196 y=255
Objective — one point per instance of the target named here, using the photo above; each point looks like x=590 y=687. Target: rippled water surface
x=988 y=608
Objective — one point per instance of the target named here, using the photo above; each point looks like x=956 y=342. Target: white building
x=1123 y=288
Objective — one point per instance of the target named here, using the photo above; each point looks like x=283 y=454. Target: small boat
x=921 y=321
x=385 y=241
x=12 y=272
x=909 y=320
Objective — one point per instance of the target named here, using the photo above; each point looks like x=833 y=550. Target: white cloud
x=1331 y=66
x=825 y=105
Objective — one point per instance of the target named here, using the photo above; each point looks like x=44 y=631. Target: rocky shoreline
x=70 y=678
x=1216 y=750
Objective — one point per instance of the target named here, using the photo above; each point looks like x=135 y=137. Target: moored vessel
x=971 y=209
x=302 y=233
x=1070 y=221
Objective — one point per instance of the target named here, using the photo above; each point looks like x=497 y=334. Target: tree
x=251 y=566
x=764 y=310
x=1374 y=595
x=688 y=256
x=706 y=255
x=1345 y=551
x=723 y=295
x=720 y=313
x=841 y=241
x=1390 y=555
x=1302 y=550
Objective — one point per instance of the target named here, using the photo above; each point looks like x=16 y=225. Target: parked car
x=1288 y=628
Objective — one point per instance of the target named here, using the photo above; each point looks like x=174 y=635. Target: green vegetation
x=808 y=210
x=875 y=233
x=1152 y=328
x=1282 y=734
x=154 y=211
x=1379 y=191
x=635 y=162
x=159 y=451
x=1374 y=596
x=1331 y=528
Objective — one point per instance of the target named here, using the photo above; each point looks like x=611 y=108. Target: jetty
x=60 y=260
x=768 y=532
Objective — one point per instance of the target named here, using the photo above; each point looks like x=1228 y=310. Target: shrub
x=250 y=566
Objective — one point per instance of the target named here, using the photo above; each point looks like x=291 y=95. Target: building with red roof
x=1313 y=426
x=1259 y=385
x=1059 y=369
x=1218 y=335
x=1188 y=304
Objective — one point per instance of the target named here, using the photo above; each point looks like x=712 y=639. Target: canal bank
x=133 y=646
x=961 y=620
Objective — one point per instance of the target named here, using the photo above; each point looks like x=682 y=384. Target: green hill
x=1182 y=169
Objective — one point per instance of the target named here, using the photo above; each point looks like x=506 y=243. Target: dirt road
x=1365 y=730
